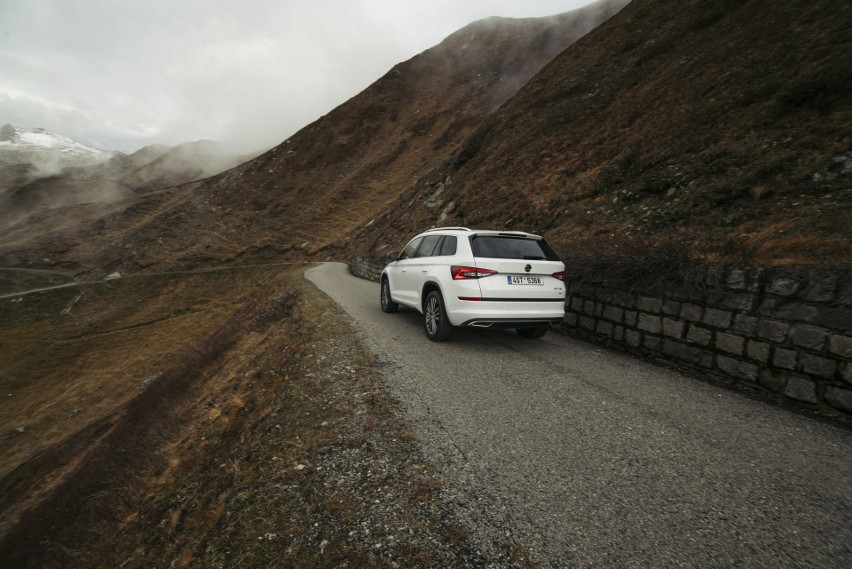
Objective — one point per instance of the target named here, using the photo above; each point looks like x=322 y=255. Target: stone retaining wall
x=783 y=331
x=367 y=268
x=788 y=332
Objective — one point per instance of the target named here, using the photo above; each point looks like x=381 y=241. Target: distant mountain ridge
x=53 y=183
x=19 y=145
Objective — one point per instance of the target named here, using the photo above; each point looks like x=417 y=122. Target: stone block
x=586 y=323
x=618 y=334
x=613 y=313
x=784 y=359
x=736 y=279
x=769 y=305
x=744 y=279
x=717 y=318
x=839 y=319
x=841 y=346
x=839 y=398
x=801 y=389
x=630 y=317
x=797 y=312
x=809 y=337
x=599 y=307
x=604 y=328
x=843 y=295
x=758 y=351
x=821 y=287
x=730 y=343
x=818 y=366
x=744 y=324
x=783 y=285
x=738 y=301
x=845 y=369
x=577 y=304
x=673 y=328
x=685 y=353
x=633 y=338
x=650 y=304
x=650 y=323
x=651 y=342
x=698 y=335
x=772 y=381
x=772 y=330
x=571 y=319
x=589 y=307
x=671 y=307
x=691 y=312
x=737 y=368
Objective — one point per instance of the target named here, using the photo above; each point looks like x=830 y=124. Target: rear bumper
x=502 y=314
x=511 y=323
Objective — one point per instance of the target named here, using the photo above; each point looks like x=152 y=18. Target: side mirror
x=393 y=256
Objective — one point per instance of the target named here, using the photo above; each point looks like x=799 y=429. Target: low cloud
x=122 y=74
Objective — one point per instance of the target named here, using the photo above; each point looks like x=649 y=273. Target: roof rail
x=447 y=229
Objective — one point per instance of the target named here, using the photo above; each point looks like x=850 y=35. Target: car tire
x=532 y=332
x=388 y=305
x=435 y=321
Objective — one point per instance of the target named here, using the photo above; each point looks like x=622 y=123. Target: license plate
x=512 y=280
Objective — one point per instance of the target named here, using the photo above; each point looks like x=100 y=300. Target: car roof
x=489 y=232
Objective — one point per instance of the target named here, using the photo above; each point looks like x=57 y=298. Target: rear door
x=402 y=274
x=419 y=267
x=525 y=267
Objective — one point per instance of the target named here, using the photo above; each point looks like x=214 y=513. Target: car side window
x=448 y=246
x=410 y=249
x=428 y=247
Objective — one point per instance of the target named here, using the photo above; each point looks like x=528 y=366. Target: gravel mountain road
x=571 y=455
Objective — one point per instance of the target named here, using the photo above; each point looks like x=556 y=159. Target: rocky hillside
x=316 y=188
x=723 y=127
x=718 y=122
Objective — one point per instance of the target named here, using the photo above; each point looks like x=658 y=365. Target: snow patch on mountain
x=45 y=150
x=36 y=139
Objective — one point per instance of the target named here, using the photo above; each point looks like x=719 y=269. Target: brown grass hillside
x=714 y=123
x=337 y=173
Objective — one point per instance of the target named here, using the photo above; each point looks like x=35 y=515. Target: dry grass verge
x=283 y=450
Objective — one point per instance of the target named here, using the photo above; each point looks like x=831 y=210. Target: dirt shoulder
x=282 y=449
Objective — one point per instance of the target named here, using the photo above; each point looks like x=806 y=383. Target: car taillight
x=560 y=275
x=461 y=273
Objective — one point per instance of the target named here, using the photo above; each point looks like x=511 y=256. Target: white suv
x=456 y=276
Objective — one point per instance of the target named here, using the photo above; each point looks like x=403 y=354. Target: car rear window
x=448 y=247
x=508 y=247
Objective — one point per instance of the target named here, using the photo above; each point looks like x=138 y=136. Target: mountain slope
x=314 y=189
x=59 y=208
x=715 y=120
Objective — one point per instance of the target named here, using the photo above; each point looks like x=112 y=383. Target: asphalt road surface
x=589 y=458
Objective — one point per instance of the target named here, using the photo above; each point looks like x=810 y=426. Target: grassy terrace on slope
x=716 y=122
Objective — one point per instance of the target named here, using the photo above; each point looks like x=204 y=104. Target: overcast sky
x=121 y=74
